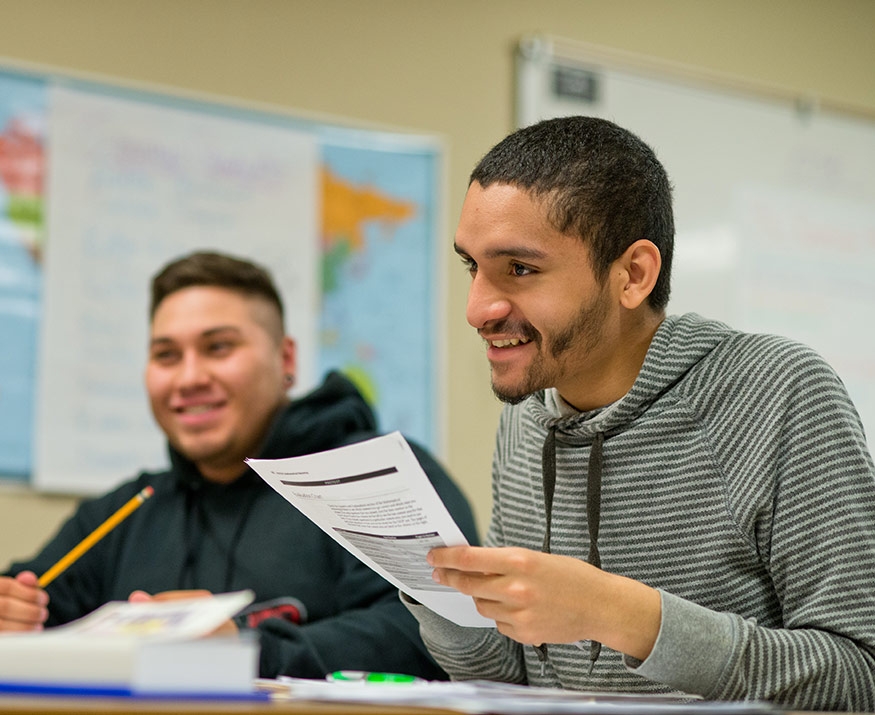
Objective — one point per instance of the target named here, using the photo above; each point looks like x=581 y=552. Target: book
x=149 y=648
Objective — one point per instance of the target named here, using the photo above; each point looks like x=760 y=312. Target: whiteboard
x=774 y=196
x=134 y=185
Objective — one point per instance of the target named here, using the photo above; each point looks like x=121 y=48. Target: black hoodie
x=318 y=609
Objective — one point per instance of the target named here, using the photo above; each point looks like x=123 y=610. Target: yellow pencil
x=113 y=521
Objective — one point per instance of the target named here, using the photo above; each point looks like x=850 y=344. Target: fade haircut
x=218 y=270
x=597 y=181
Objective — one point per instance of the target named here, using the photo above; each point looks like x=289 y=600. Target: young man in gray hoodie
x=677 y=506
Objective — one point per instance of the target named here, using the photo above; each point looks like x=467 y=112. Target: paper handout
x=174 y=620
x=375 y=500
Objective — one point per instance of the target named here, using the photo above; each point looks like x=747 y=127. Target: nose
x=486 y=303
x=192 y=372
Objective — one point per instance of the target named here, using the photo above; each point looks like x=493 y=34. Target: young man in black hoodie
x=218 y=372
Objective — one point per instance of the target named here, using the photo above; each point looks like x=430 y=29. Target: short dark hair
x=210 y=268
x=599 y=182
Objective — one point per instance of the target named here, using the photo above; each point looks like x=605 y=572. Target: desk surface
x=63 y=705
x=60 y=705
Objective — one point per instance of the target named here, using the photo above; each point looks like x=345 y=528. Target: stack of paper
x=478 y=697
x=155 y=647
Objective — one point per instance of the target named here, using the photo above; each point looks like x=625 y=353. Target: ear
x=638 y=269
x=289 y=356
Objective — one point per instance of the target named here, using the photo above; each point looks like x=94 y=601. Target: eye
x=469 y=264
x=519 y=270
x=220 y=347
x=164 y=356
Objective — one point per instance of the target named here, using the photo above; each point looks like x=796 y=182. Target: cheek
x=547 y=316
x=254 y=380
x=157 y=385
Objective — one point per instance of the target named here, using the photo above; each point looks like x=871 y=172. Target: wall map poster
x=110 y=183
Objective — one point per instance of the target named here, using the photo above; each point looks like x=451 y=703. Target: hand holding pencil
x=23 y=602
x=82 y=547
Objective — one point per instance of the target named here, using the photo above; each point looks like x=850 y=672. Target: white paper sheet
x=179 y=619
x=477 y=697
x=376 y=501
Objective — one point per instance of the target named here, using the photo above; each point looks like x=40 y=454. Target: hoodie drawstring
x=198 y=526
x=193 y=536
x=245 y=508
x=593 y=515
x=548 y=474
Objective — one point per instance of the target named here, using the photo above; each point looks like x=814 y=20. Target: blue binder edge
x=112 y=691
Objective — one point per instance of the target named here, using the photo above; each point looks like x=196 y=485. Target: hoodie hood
x=331 y=415
x=311 y=423
x=680 y=343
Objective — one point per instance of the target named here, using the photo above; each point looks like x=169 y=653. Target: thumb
x=28 y=578
x=139 y=597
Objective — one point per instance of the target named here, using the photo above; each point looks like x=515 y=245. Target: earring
x=290 y=380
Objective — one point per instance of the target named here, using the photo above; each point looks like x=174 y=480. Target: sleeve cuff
x=693 y=647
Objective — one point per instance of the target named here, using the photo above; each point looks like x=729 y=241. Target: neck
x=222 y=475
x=620 y=369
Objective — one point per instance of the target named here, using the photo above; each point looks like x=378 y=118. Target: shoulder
x=775 y=363
x=770 y=387
x=108 y=502
x=761 y=360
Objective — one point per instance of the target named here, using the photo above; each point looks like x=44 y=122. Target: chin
x=198 y=451
x=510 y=396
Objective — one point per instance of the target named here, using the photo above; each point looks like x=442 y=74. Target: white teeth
x=513 y=342
x=197 y=410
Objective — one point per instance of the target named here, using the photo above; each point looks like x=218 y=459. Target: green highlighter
x=363 y=676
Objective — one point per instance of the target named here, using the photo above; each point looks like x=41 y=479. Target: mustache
x=522 y=329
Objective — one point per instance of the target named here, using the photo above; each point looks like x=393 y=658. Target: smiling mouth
x=511 y=343
x=196 y=409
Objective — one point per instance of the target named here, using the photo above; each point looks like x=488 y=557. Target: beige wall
x=441 y=66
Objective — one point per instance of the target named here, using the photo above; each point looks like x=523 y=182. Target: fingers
x=482 y=559
x=228 y=628
x=23 y=605
x=144 y=596
x=27 y=578
x=488 y=573
x=461 y=558
x=177 y=595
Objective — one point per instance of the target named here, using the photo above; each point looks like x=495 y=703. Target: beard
x=581 y=335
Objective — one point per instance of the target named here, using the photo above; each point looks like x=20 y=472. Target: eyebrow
x=161 y=340
x=510 y=252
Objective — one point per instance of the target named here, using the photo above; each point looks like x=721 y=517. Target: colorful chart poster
x=23 y=114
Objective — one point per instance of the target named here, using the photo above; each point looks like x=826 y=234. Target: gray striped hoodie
x=736 y=479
